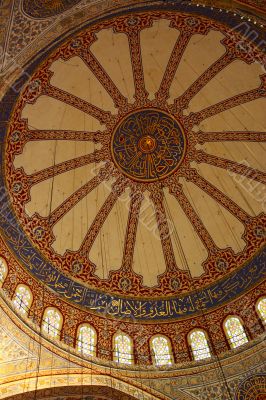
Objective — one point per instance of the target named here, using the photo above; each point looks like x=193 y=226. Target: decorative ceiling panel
x=103 y=154
x=258 y=5
x=47 y=8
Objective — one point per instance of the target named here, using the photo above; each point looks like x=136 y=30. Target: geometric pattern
x=86 y=340
x=3 y=270
x=94 y=392
x=160 y=348
x=199 y=345
x=252 y=388
x=261 y=308
x=235 y=332
x=123 y=349
x=126 y=281
x=148 y=145
x=22 y=299
x=47 y=8
x=52 y=322
x=221 y=263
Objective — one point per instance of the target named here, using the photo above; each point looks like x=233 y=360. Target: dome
x=133 y=181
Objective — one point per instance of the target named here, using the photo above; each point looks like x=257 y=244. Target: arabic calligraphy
x=148 y=145
x=215 y=295
x=253 y=387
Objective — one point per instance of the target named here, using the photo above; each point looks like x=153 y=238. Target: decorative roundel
x=133 y=159
x=148 y=145
x=252 y=388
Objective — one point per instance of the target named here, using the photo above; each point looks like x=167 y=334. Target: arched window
x=261 y=309
x=199 y=344
x=86 y=340
x=235 y=332
x=3 y=271
x=52 y=322
x=22 y=299
x=123 y=349
x=161 y=351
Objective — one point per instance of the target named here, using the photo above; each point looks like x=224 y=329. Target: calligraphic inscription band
x=213 y=296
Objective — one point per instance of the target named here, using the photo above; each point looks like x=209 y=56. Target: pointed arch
x=235 y=331
x=123 y=348
x=3 y=270
x=261 y=309
x=197 y=339
x=98 y=387
x=161 y=350
x=22 y=299
x=86 y=340
x=52 y=322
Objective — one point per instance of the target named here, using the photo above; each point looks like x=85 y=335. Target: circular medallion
x=253 y=387
x=148 y=145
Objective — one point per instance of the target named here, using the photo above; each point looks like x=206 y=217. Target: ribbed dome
x=132 y=199
x=134 y=162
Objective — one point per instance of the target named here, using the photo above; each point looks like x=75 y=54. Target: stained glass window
x=235 y=332
x=52 y=322
x=3 y=270
x=199 y=345
x=161 y=350
x=261 y=308
x=86 y=340
x=123 y=349
x=22 y=299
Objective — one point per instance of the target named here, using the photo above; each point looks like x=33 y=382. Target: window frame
x=22 y=306
x=170 y=347
x=115 y=357
x=262 y=320
x=94 y=345
x=229 y=341
x=59 y=331
x=5 y=270
x=189 y=340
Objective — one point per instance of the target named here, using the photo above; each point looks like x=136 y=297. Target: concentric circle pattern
x=133 y=159
x=148 y=145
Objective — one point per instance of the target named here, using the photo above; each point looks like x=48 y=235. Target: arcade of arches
x=132 y=200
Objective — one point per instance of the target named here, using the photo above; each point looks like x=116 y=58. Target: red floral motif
x=40 y=230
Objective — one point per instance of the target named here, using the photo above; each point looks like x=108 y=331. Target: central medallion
x=148 y=145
